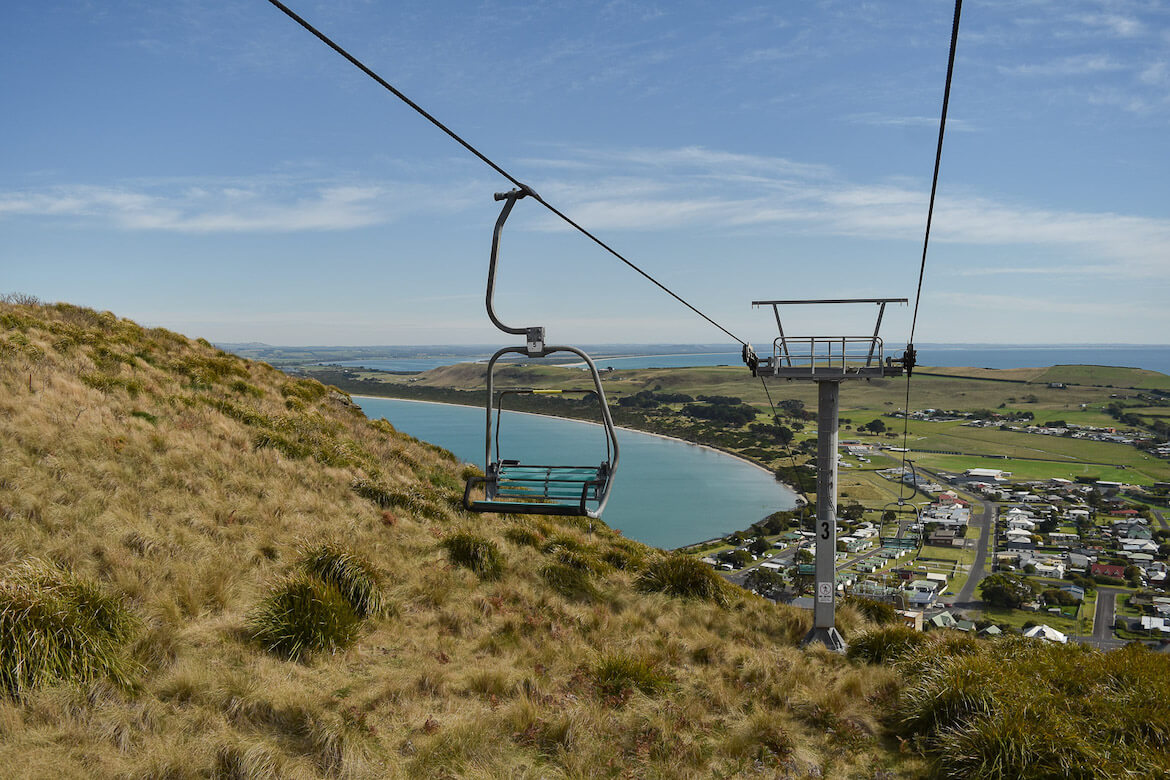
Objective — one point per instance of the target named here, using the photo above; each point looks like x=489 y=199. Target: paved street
x=1102 y=637
x=984 y=521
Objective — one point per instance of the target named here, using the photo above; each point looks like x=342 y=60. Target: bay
x=667 y=493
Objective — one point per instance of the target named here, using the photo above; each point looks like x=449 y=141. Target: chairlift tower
x=828 y=361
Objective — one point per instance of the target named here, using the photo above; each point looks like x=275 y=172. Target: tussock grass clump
x=55 y=627
x=524 y=536
x=108 y=384
x=408 y=499
x=474 y=552
x=683 y=576
x=308 y=390
x=1026 y=709
x=875 y=611
x=582 y=560
x=303 y=615
x=885 y=644
x=761 y=737
x=624 y=558
x=353 y=576
x=571 y=582
x=616 y=675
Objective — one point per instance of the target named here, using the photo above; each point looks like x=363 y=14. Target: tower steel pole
x=824 y=628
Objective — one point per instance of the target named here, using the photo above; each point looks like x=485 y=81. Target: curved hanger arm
x=534 y=335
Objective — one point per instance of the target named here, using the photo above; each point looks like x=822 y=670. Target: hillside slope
x=187 y=484
x=210 y=569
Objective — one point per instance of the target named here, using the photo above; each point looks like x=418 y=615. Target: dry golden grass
x=188 y=482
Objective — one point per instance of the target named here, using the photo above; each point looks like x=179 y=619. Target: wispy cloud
x=1038 y=304
x=738 y=191
x=1157 y=74
x=230 y=206
x=1115 y=25
x=1078 y=65
x=683 y=188
x=886 y=120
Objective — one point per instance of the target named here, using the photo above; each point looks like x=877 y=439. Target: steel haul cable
x=397 y=93
x=942 y=127
x=788 y=444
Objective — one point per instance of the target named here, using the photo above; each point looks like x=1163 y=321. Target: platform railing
x=837 y=355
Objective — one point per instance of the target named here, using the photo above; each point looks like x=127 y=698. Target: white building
x=1045 y=632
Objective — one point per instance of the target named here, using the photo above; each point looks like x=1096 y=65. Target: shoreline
x=798 y=497
x=740 y=458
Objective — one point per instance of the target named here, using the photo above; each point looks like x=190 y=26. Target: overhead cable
x=397 y=93
x=942 y=127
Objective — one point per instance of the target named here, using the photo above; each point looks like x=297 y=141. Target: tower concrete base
x=829 y=637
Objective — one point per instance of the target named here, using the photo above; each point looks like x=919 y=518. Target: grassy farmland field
x=1086 y=393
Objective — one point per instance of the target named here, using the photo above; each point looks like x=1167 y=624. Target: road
x=1102 y=637
x=983 y=521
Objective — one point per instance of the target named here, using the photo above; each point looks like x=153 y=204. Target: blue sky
x=212 y=168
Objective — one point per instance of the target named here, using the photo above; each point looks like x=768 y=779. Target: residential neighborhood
x=1061 y=542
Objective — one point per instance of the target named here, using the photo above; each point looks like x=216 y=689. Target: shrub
x=303 y=615
x=523 y=536
x=570 y=582
x=579 y=559
x=244 y=388
x=877 y=611
x=624 y=559
x=354 y=577
x=885 y=644
x=408 y=499
x=1017 y=741
x=619 y=673
x=473 y=552
x=683 y=576
x=309 y=390
x=57 y=628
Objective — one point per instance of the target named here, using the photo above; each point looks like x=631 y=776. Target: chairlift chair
x=899 y=507
x=511 y=485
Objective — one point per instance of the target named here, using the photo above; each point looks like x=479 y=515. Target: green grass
x=1026 y=709
x=617 y=674
x=1018 y=617
x=354 y=577
x=956 y=554
x=1106 y=375
x=303 y=615
x=572 y=583
x=55 y=627
x=683 y=576
x=884 y=644
x=475 y=552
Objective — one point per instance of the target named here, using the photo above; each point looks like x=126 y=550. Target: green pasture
x=1107 y=375
x=864 y=401
x=1061 y=622
x=1031 y=470
x=957 y=554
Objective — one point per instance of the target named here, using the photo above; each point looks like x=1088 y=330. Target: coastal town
x=1055 y=559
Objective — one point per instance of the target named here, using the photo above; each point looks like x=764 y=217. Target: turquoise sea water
x=666 y=493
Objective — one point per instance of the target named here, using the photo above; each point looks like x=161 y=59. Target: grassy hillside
x=187 y=485
x=208 y=569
